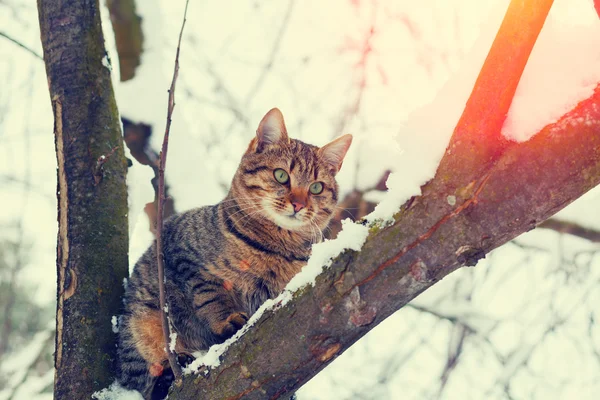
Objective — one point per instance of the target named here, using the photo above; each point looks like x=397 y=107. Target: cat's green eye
x=281 y=176
x=316 y=188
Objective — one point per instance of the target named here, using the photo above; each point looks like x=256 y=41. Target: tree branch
x=479 y=128
x=21 y=45
x=160 y=211
x=572 y=229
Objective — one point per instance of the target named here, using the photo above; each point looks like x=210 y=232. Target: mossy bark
x=92 y=197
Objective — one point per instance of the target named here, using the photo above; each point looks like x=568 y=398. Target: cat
x=223 y=261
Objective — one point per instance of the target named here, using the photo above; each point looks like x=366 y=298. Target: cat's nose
x=298 y=206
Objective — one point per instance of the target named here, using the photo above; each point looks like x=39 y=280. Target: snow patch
x=563 y=69
x=351 y=237
x=399 y=191
x=173 y=341
x=106 y=62
x=117 y=392
x=115 y=324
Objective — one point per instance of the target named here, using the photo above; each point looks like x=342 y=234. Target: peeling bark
x=92 y=198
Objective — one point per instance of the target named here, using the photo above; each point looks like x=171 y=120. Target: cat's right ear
x=271 y=130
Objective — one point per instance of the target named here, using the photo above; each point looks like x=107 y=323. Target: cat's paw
x=232 y=324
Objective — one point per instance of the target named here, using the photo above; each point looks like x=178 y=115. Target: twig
x=159 y=215
x=571 y=228
x=21 y=45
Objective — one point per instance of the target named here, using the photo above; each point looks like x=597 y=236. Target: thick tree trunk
x=92 y=198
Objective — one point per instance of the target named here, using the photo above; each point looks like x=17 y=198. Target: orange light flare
x=480 y=126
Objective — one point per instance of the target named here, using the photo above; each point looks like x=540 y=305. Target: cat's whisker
x=238 y=200
x=248 y=217
x=319 y=240
x=345 y=209
x=321 y=232
x=241 y=207
x=243 y=210
x=312 y=234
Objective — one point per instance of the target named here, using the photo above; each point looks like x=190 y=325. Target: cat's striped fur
x=224 y=261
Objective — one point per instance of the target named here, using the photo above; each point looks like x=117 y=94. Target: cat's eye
x=316 y=188
x=281 y=176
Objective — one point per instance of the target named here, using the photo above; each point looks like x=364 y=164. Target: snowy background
x=395 y=74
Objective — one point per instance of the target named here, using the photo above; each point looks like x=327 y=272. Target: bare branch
x=159 y=215
x=572 y=229
x=21 y=45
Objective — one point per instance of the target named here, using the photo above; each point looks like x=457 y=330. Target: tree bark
x=92 y=198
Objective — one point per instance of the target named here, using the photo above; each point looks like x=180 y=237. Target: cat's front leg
x=214 y=302
x=206 y=312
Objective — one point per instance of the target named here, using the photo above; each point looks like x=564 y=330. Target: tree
x=467 y=210
x=92 y=197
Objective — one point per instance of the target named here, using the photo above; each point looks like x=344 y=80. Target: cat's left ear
x=333 y=153
x=271 y=130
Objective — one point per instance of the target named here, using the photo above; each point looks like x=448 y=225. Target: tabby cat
x=223 y=261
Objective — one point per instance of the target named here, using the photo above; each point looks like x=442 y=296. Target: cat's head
x=286 y=181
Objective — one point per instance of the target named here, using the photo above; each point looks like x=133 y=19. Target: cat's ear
x=271 y=130
x=333 y=153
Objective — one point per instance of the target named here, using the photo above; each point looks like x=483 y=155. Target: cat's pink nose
x=298 y=206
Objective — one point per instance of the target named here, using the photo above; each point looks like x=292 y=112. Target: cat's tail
x=133 y=370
